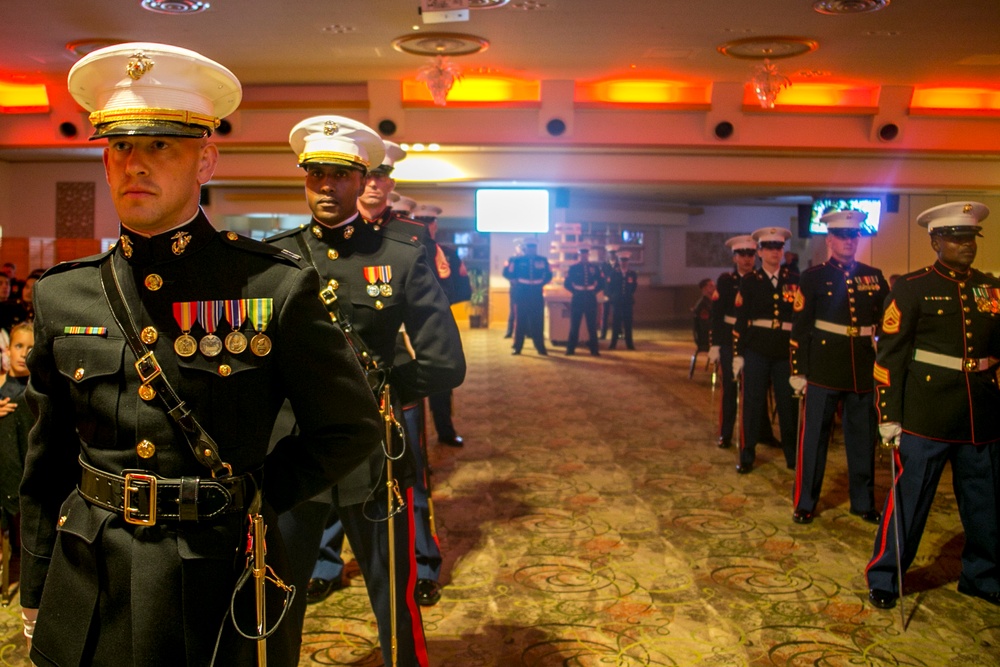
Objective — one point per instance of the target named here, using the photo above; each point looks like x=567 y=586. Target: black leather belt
x=143 y=498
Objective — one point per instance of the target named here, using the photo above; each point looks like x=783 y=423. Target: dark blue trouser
x=583 y=306
x=860 y=434
x=428 y=553
x=758 y=371
x=368 y=534
x=975 y=474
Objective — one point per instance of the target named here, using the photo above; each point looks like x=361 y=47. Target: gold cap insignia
x=138 y=65
x=330 y=128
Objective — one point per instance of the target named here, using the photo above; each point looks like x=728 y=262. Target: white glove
x=890 y=432
x=798 y=383
x=28 y=618
x=713 y=354
x=737 y=365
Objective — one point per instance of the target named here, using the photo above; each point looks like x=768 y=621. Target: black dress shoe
x=882 y=599
x=570 y=353
x=992 y=598
x=595 y=353
x=871 y=516
x=802 y=516
x=452 y=442
x=744 y=469
x=723 y=443
x=516 y=352
x=544 y=353
x=428 y=592
x=320 y=589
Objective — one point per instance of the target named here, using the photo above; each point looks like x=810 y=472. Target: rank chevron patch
x=891 y=319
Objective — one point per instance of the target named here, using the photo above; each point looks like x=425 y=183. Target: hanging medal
x=185 y=313
x=236 y=310
x=371 y=275
x=259 y=311
x=385 y=275
x=210 y=344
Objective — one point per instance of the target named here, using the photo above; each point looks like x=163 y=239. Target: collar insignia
x=348 y=231
x=181 y=240
x=317 y=231
x=126 y=244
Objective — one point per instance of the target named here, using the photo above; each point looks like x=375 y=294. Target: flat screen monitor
x=870 y=205
x=512 y=210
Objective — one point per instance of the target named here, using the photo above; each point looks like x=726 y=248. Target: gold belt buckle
x=970 y=365
x=775 y=324
x=129 y=512
x=853 y=331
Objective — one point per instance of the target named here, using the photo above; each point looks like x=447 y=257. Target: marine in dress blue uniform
x=723 y=319
x=529 y=274
x=763 y=324
x=383 y=281
x=123 y=572
x=583 y=280
x=609 y=266
x=622 y=284
x=938 y=400
x=837 y=310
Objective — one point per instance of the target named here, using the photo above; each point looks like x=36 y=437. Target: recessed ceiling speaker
x=386 y=128
x=68 y=130
x=888 y=132
x=225 y=128
x=724 y=130
x=555 y=127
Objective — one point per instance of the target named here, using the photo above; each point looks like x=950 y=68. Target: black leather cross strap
x=376 y=376
x=202 y=445
x=145 y=499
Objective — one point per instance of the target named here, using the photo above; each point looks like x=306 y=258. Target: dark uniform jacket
x=158 y=594
x=940 y=311
x=383 y=281
x=758 y=300
x=724 y=309
x=850 y=297
x=528 y=274
x=621 y=287
x=584 y=278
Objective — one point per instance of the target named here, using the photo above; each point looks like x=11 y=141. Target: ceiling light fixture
x=767 y=82
x=175 y=6
x=439 y=76
x=834 y=7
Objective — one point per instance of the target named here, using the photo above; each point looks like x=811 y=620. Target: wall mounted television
x=512 y=210
x=870 y=205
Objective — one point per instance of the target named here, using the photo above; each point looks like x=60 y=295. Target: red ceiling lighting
x=953 y=100
x=23 y=98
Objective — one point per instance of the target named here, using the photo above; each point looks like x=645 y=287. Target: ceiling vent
x=836 y=7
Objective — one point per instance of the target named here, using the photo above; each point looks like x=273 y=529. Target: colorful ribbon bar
x=86 y=331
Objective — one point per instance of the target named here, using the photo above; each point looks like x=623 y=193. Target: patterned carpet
x=590 y=520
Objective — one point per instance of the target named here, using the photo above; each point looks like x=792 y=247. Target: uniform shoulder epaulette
x=285 y=234
x=91 y=260
x=401 y=235
x=257 y=247
x=816 y=267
